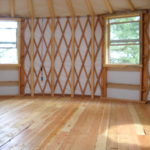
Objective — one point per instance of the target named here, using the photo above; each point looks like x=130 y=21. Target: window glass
x=8 y=42
x=124 y=40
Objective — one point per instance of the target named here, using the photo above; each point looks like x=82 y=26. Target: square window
x=123 y=40
x=8 y=42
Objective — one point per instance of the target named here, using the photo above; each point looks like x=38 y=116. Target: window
x=8 y=42
x=123 y=40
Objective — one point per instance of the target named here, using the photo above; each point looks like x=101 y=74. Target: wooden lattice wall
x=62 y=55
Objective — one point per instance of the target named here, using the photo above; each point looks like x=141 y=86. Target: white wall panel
x=123 y=77
x=8 y=75
x=9 y=90
x=123 y=94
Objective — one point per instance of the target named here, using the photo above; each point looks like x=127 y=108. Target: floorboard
x=63 y=123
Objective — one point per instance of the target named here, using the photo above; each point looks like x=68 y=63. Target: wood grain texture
x=32 y=57
x=146 y=58
x=9 y=83
x=123 y=86
x=45 y=123
x=99 y=6
x=12 y=8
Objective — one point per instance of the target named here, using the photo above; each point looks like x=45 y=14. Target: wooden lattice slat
x=99 y=46
x=26 y=40
x=83 y=56
x=43 y=55
x=46 y=63
x=38 y=55
x=63 y=56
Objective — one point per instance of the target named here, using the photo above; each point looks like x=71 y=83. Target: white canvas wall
x=9 y=75
x=123 y=77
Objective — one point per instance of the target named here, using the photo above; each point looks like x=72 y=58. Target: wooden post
x=31 y=13
x=52 y=13
x=145 y=58
x=19 y=54
x=73 y=57
x=32 y=56
x=93 y=59
x=141 y=55
x=52 y=56
x=92 y=13
x=104 y=60
x=22 y=59
x=72 y=13
x=104 y=82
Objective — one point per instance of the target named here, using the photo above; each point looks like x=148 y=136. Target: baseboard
x=121 y=100
x=78 y=96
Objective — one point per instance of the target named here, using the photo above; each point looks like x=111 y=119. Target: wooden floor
x=73 y=124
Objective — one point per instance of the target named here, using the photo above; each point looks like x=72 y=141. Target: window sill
x=123 y=67
x=9 y=66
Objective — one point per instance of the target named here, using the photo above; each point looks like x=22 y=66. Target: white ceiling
x=61 y=9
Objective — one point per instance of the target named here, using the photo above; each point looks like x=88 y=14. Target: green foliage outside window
x=124 y=45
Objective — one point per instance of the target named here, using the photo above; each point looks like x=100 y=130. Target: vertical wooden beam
x=52 y=13
x=32 y=56
x=105 y=29
x=145 y=58
x=92 y=13
x=19 y=54
x=73 y=58
x=141 y=55
x=52 y=55
x=93 y=59
x=104 y=82
x=31 y=12
x=22 y=58
x=109 y=6
x=72 y=13
x=12 y=7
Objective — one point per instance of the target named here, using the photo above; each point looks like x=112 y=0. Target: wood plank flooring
x=44 y=123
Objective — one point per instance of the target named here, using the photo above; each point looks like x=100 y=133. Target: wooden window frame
x=107 y=35
x=18 y=45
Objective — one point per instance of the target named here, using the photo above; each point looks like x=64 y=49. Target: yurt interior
x=74 y=74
